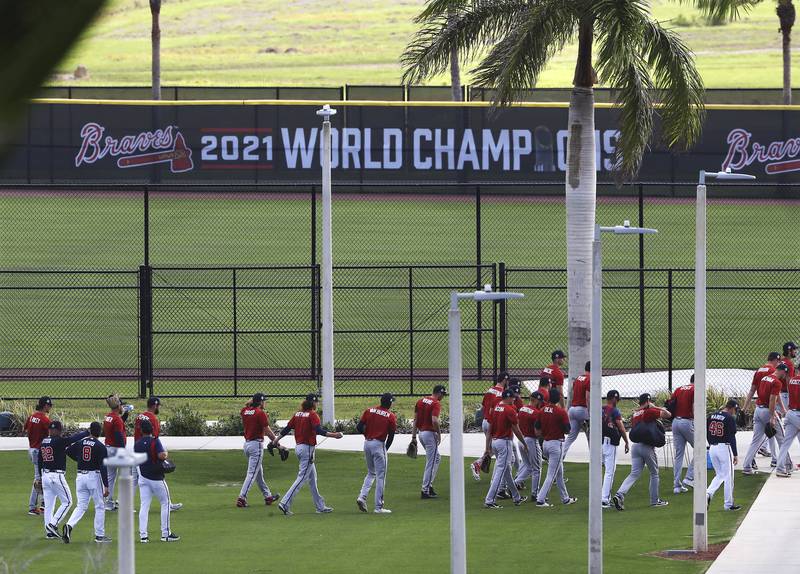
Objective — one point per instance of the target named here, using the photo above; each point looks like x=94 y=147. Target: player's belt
x=762 y=407
x=56 y=471
x=795 y=410
x=87 y=471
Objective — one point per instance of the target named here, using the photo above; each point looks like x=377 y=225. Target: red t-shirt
x=527 y=416
x=305 y=425
x=379 y=422
x=555 y=373
x=490 y=398
x=112 y=425
x=580 y=388
x=426 y=409
x=255 y=421
x=545 y=394
x=37 y=427
x=770 y=385
x=794 y=393
x=790 y=365
x=137 y=425
x=684 y=401
x=645 y=415
x=503 y=418
x=552 y=421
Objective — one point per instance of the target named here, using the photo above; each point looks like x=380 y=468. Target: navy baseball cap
x=45 y=401
x=773 y=356
x=55 y=425
x=544 y=381
x=555 y=396
x=95 y=428
x=791 y=345
x=147 y=427
x=782 y=367
x=612 y=394
x=537 y=395
x=259 y=398
x=644 y=398
x=312 y=397
x=558 y=354
x=153 y=401
x=508 y=393
x=501 y=377
x=732 y=404
x=387 y=398
x=439 y=389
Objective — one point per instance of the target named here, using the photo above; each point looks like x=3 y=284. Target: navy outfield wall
x=274 y=142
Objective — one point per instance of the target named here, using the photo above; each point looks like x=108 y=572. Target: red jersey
x=645 y=415
x=527 y=416
x=553 y=420
x=503 y=418
x=518 y=403
x=580 y=388
x=378 y=422
x=305 y=425
x=37 y=428
x=545 y=394
x=490 y=399
x=113 y=427
x=555 y=374
x=794 y=393
x=137 y=425
x=770 y=385
x=684 y=401
x=789 y=365
x=426 y=409
x=761 y=373
x=255 y=422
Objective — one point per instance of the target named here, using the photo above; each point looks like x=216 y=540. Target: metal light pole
x=595 y=395
x=124 y=460
x=700 y=531
x=458 y=527
x=328 y=415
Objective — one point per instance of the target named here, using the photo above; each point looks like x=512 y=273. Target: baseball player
x=555 y=374
x=768 y=393
x=502 y=426
x=91 y=482
x=643 y=454
x=579 y=409
x=426 y=423
x=53 y=465
x=152 y=484
x=378 y=425
x=528 y=415
x=552 y=425
x=306 y=426
x=721 y=433
x=545 y=384
x=37 y=427
x=613 y=430
x=151 y=415
x=256 y=425
x=767 y=368
x=491 y=397
x=114 y=433
x=792 y=429
x=682 y=433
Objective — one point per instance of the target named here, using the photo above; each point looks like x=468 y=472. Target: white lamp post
x=458 y=530
x=328 y=415
x=124 y=460
x=700 y=532
x=595 y=395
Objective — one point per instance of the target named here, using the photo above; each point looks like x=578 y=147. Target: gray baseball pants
x=577 y=416
x=791 y=432
x=33 y=453
x=502 y=448
x=307 y=472
x=760 y=420
x=254 y=451
x=642 y=455
x=375 y=454
x=682 y=433
x=432 y=459
x=533 y=465
x=553 y=451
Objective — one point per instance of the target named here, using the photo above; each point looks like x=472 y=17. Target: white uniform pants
x=33 y=453
x=89 y=485
x=432 y=459
x=682 y=433
x=642 y=455
x=307 y=472
x=791 y=431
x=533 y=465
x=722 y=460
x=577 y=416
x=502 y=448
x=553 y=451
x=149 y=489
x=55 y=487
x=610 y=464
x=254 y=451
x=375 y=455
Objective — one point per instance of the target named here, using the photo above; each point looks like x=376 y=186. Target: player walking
x=613 y=430
x=256 y=425
x=768 y=393
x=682 y=433
x=553 y=424
x=767 y=369
x=491 y=397
x=150 y=415
x=502 y=426
x=378 y=425
x=306 y=426
x=792 y=429
x=37 y=427
x=114 y=433
x=643 y=454
x=426 y=422
x=152 y=484
x=579 y=409
x=555 y=374
x=721 y=433
x=528 y=415
x=91 y=482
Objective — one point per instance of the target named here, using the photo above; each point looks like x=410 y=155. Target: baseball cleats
x=425 y=496
x=102 y=539
x=52 y=536
x=783 y=474
x=708 y=501
x=241 y=502
x=504 y=494
x=475 y=467
x=325 y=510
x=764 y=452
x=568 y=501
x=660 y=502
x=177 y=506
x=688 y=482
x=773 y=464
x=144 y=540
x=544 y=504
x=362 y=504
x=520 y=486
x=170 y=538
x=285 y=510
x=734 y=508
x=748 y=472
x=432 y=492
x=520 y=501
x=382 y=511
x=34 y=512
x=268 y=500
x=618 y=501
x=492 y=505
x=52 y=529
x=66 y=533
x=680 y=489
x=605 y=504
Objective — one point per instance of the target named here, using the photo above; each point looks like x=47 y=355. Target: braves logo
x=778 y=155
x=161 y=146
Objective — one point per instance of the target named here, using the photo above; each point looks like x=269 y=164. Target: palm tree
x=786 y=15
x=617 y=40
x=155 y=43
x=455 y=70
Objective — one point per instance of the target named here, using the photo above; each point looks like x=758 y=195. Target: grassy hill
x=311 y=42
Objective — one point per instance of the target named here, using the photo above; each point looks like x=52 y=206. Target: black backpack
x=651 y=433
x=610 y=430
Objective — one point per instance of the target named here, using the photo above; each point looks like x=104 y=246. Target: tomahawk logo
x=144 y=148
x=778 y=156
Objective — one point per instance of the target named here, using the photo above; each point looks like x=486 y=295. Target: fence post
x=669 y=328
x=315 y=339
x=494 y=325
x=145 y=330
x=411 y=327
x=146 y=226
x=478 y=310
x=503 y=321
x=235 y=339
x=642 y=345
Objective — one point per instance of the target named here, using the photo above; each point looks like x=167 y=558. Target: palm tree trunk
x=155 y=41
x=581 y=181
x=455 y=71
x=786 y=15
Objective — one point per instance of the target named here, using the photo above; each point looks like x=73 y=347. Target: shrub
x=232 y=425
x=184 y=421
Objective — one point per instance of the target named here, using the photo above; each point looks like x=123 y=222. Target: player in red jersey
x=545 y=384
x=378 y=425
x=579 y=409
x=552 y=425
x=256 y=425
x=767 y=369
x=555 y=374
x=682 y=403
x=426 y=422
x=306 y=426
x=37 y=427
x=528 y=415
x=115 y=437
x=502 y=427
x=766 y=413
x=792 y=429
x=788 y=358
x=151 y=416
x=491 y=397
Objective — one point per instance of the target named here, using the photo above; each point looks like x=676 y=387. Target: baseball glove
x=167 y=466
x=741 y=419
x=284 y=454
x=411 y=451
x=37 y=484
x=769 y=430
x=271 y=449
x=486 y=463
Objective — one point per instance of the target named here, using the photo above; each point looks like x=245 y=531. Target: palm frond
x=722 y=9
x=436 y=8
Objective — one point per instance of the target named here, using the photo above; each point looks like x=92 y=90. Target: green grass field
x=217 y=537
x=273 y=42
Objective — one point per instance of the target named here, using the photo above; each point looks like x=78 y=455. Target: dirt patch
x=707 y=556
